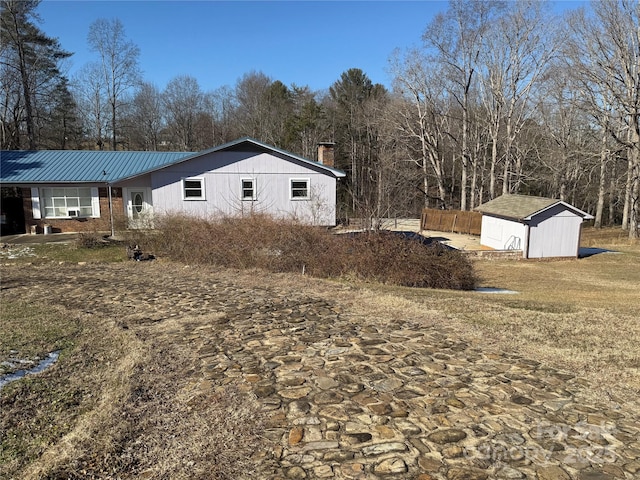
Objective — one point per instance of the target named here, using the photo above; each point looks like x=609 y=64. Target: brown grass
x=580 y=315
x=132 y=402
x=119 y=404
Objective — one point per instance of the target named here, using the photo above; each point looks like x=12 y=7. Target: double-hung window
x=249 y=189
x=193 y=188
x=299 y=189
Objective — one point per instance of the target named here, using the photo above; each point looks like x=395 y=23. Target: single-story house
x=67 y=191
x=540 y=227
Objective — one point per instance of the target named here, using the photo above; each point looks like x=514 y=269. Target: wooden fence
x=454 y=221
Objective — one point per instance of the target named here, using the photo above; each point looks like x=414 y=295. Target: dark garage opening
x=11 y=212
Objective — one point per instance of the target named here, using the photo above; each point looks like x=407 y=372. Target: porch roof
x=79 y=166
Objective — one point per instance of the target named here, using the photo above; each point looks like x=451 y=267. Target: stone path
x=355 y=396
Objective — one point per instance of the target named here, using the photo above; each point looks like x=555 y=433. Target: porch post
x=113 y=233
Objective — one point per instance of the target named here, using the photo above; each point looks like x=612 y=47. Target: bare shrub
x=259 y=241
x=89 y=240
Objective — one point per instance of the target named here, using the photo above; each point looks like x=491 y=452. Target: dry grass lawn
x=115 y=392
x=579 y=315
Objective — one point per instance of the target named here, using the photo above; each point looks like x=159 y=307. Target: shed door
x=556 y=236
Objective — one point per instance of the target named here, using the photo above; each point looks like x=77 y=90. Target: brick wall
x=64 y=225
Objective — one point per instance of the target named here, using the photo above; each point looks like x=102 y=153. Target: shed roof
x=91 y=166
x=523 y=207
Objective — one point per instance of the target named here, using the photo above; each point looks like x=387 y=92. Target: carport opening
x=11 y=211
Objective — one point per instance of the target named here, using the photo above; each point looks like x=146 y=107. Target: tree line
x=499 y=97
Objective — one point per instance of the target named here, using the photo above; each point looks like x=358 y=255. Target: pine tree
x=30 y=72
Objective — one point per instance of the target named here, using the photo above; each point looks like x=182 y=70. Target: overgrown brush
x=89 y=240
x=275 y=245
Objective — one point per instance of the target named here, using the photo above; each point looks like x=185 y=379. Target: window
x=69 y=202
x=248 y=189
x=193 y=188
x=299 y=189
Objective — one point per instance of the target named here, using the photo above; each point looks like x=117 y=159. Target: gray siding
x=554 y=233
x=223 y=172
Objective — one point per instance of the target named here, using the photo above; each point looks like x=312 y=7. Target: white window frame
x=202 y=196
x=254 y=193
x=40 y=204
x=291 y=189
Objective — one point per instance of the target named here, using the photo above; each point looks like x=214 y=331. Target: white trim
x=307 y=181
x=95 y=202
x=203 y=195
x=93 y=193
x=145 y=218
x=577 y=211
x=35 y=204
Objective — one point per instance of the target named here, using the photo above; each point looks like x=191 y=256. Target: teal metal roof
x=92 y=166
x=51 y=166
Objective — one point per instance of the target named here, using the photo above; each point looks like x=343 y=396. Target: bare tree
x=119 y=64
x=88 y=87
x=221 y=106
x=560 y=113
x=252 y=111
x=454 y=40
x=515 y=54
x=422 y=117
x=146 y=117
x=183 y=102
x=604 y=53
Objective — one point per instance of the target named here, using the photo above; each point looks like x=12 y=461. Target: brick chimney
x=325 y=153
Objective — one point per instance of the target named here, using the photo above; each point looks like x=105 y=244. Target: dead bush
x=259 y=241
x=89 y=240
x=389 y=257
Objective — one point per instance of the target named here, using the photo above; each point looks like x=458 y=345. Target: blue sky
x=302 y=42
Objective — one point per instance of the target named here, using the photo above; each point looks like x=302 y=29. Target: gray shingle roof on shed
x=50 y=166
x=518 y=207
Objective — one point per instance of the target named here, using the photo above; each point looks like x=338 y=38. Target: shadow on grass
x=584 y=252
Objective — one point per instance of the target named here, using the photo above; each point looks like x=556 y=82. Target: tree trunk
x=464 y=159
x=601 y=183
x=612 y=194
x=626 y=210
x=492 y=172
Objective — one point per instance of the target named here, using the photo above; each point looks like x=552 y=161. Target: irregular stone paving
x=354 y=397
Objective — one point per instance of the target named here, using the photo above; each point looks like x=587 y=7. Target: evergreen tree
x=30 y=72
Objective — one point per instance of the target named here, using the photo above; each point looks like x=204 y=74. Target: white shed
x=540 y=227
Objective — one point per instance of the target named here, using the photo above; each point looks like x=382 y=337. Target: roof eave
x=335 y=172
x=584 y=215
x=6 y=183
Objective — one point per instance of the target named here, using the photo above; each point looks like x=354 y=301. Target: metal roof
x=91 y=166
x=523 y=207
x=73 y=166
